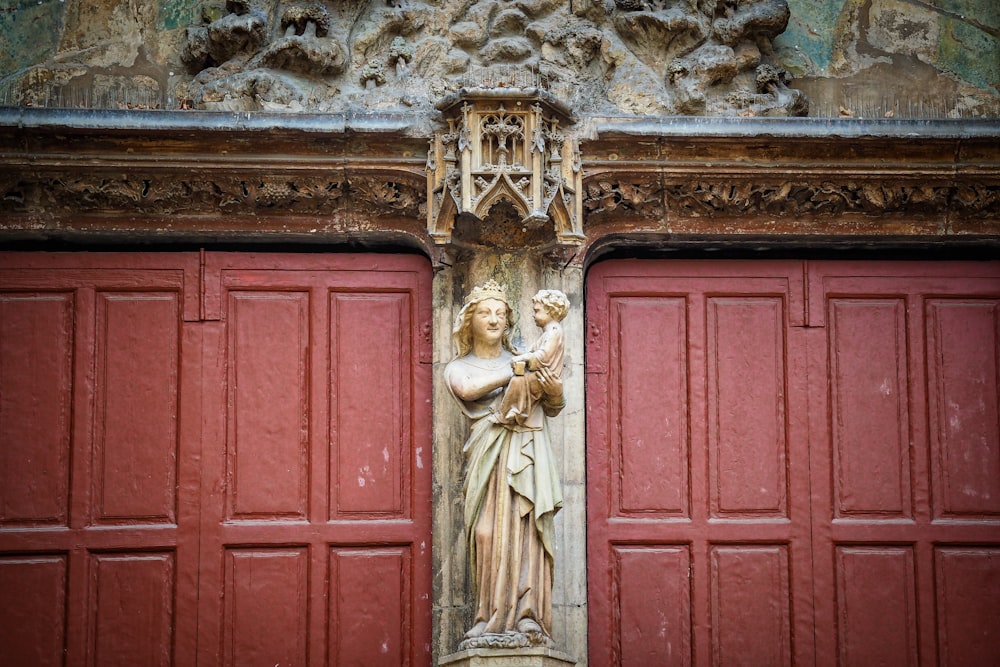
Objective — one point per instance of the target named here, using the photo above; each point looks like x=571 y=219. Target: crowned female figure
x=511 y=488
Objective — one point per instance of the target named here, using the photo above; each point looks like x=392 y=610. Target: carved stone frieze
x=826 y=197
x=977 y=200
x=607 y=197
x=344 y=179
x=210 y=194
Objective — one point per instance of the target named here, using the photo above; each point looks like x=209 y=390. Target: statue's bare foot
x=476 y=631
x=528 y=626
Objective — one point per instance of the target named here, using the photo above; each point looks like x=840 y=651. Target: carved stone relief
x=636 y=56
x=605 y=198
x=208 y=196
x=644 y=199
x=806 y=199
x=646 y=57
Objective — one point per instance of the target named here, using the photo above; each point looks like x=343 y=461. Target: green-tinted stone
x=811 y=29
x=984 y=12
x=176 y=14
x=970 y=53
x=29 y=33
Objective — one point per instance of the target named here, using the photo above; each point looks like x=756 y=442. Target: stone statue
x=525 y=388
x=511 y=488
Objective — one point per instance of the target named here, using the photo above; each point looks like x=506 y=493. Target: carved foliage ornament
x=504 y=145
x=158 y=195
x=651 y=199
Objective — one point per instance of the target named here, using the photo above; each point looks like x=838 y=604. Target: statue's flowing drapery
x=512 y=493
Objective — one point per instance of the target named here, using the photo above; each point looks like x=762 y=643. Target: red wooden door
x=98 y=512
x=214 y=459
x=906 y=457
x=315 y=533
x=794 y=463
x=697 y=469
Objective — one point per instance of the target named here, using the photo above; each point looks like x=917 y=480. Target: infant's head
x=555 y=303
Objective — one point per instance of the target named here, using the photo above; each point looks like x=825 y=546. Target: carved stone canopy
x=504 y=144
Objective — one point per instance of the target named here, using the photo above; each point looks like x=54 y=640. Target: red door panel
x=247 y=489
x=794 y=463
x=316 y=503
x=698 y=518
x=906 y=462
x=35 y=406
x=33 y=631
x=95 y=524
x=265 y=605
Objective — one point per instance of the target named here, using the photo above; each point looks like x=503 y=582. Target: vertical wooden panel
x=968 y=602
x=964 y=394
x=32 y=610
x=368 y=615
x=370 y=377
x=870 y=417
x=876 y=606
x=131 y=606
x=268 y=388
x=746 y=403
x=35 y=396
x=750 y=605
x=652 y=591
x=651 y=441
x=136 y=445
x=265 y=607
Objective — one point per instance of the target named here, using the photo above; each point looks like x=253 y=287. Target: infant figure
x=546 y=355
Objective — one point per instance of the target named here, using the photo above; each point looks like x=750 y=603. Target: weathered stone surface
x=872 y=59
x=894 y=59
x=631 y=57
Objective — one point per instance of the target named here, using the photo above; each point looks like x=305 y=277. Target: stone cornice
x=210 y=176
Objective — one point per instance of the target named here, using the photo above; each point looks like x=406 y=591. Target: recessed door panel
x=316 y=433
x=36 y=377
x=698 y=522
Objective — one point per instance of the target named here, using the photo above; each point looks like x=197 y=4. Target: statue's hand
x=551 y=384
x=552 y=388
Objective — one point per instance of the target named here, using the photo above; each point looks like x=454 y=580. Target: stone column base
x=507 y=657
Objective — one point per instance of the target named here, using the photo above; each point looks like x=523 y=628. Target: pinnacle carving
x=503 y=145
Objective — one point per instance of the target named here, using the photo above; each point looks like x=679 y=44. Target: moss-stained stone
x=896 y=26
x=864 y=55
x=985 y=13
x=175 y=14
x=904 y=58
x=970 y=52
x=29 y=32
x=809 y=32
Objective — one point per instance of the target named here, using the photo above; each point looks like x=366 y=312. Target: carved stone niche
x=505 y=143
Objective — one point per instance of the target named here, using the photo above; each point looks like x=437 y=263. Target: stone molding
x=795 y=198
x=195 y=177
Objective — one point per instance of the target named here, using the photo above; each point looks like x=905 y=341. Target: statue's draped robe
x=512 y=493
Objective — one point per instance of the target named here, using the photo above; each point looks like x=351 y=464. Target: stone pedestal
x=507 y=657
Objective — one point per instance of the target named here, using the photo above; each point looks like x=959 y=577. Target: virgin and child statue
x=511 y=487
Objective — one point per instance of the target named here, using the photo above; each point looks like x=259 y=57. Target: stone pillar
x=523 y=273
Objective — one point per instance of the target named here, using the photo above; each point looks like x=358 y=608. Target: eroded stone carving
x=604 y=198
x=643 y=198
x=648 y=57
x=195 y=196
x=805 y=199
x=637 y=56
x=512 y=490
